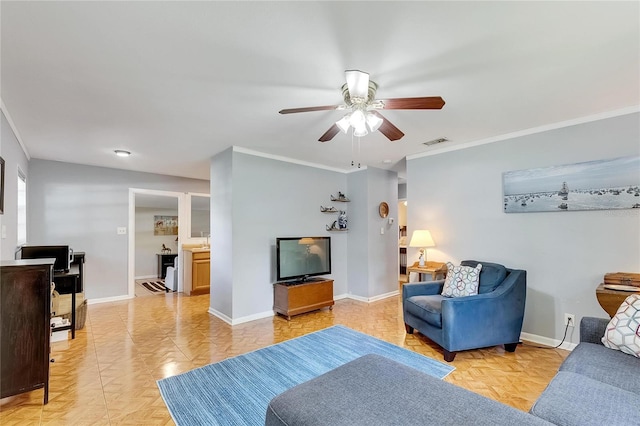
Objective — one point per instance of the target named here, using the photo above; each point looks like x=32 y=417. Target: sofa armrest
x=425 y=288
x=592 y=329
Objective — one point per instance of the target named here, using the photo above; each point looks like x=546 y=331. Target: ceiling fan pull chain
x=353 y=163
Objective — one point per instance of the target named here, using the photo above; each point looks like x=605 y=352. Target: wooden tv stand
x=298 y=298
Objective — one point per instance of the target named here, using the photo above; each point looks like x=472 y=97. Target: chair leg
x=449 y=356
x=408 y=328
x=510 y=347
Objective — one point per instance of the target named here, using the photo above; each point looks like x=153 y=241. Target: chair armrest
x=425 y=288
x=499 y=313
x=592 y=329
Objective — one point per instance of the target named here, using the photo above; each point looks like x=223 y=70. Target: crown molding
x=531 y=131
x=287 y=159
x=14 y=129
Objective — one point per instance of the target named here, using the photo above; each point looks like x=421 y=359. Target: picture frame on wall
x=1 y=185
x=593 y=185
x=165 y=225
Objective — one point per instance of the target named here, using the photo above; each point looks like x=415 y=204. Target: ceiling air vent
x=435 y=141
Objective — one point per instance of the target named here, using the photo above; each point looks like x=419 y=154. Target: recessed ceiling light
x=386 y=161
x=122 y=153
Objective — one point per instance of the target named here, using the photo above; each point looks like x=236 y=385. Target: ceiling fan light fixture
x=357 y=119
x=343 y=123
x=374 y=122
x=360 y=130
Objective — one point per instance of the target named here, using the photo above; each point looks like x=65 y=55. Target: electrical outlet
x=570 y=320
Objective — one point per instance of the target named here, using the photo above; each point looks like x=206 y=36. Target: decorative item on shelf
x=383 y=209
x=165 y=250
x=328 y=209
x=422 y=238
x=342 y=220
x=335 y=227
x=341 y=197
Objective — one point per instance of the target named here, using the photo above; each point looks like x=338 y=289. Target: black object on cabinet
x=25 y=333
x=164 y=261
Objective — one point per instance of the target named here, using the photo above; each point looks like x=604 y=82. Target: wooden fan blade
x=429 y=102
x=329 y=134
x=358 y=83
x=388 y=129
x=309 y=109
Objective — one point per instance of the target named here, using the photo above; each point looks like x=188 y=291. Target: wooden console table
x=610 y=300
x=433 y=268
x=298 y=298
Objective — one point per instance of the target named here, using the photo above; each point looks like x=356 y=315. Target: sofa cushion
x=572 y=399
x=623 y=331
x=427 y=308
x=604 y=365
x=376 y=391
x=491 y=276
x=461 y=280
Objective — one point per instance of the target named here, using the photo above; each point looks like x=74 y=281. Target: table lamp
x=422 y=238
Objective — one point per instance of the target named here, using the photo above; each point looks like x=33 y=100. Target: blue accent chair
x=492 y=317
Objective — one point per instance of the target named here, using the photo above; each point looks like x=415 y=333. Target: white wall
x=149 y=245
x=14 y=157
x=458 y=196
x=83 y=206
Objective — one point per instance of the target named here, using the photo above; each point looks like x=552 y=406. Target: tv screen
x=301 y=257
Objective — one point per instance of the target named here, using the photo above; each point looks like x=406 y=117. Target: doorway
x=155 y=221
x=403 y=276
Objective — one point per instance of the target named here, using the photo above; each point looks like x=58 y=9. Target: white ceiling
x=178 y=82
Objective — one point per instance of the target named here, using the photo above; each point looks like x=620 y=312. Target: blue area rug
x=236 y=391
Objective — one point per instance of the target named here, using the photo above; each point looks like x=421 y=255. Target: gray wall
x=373 y=256
x=13 y=155
x=267 y=199
x=82 y=206
x=458 y=196
x=222 y=226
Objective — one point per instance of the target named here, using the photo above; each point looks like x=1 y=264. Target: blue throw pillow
x=491 y=275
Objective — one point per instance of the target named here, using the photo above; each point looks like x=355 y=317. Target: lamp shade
x=306 y=241
x=421 y=238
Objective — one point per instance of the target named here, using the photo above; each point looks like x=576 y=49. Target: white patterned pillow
x=623 y=331
x=461 y=280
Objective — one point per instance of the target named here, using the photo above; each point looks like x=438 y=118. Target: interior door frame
x=182 y=229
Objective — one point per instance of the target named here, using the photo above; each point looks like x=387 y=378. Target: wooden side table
x=610 y=300
x=433 y=268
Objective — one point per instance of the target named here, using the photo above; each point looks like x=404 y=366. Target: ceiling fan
x=359 y=95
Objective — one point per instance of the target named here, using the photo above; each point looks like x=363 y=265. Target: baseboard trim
x=542 y=340
x=109 y=299
x=374 y=298
x=147 y=277
x=241 y=320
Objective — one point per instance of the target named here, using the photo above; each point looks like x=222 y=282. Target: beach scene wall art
x=592 y=185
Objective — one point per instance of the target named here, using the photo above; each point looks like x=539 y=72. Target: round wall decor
x=383 y=209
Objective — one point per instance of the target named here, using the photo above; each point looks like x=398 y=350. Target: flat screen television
x=298 y=258
x=62 y=254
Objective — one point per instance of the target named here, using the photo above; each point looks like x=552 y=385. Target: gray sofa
x=594 y=386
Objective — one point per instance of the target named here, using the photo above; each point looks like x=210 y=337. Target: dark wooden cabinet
x=164 y=261
x=293 y=299
x=25 y=312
